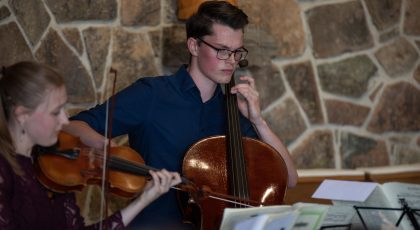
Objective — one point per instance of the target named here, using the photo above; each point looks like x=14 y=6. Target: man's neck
x=204 y=85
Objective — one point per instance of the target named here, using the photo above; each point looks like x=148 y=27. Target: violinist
x=164 y=115
x=32 y=113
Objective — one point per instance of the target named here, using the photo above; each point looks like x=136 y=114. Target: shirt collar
x=187 y=82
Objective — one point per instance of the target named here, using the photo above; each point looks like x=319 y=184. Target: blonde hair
x=25 y=84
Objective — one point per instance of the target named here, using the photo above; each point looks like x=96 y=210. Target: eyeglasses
x=224 y=54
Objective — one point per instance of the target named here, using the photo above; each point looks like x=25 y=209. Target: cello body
x=206 y=164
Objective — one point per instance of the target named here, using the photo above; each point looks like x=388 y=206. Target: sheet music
x=387 y=196
x=232 y=216
x=410 y=192
x=311 y=216
x=339 y=215
x=273 y=221
x=300 y=216
x=374 y=219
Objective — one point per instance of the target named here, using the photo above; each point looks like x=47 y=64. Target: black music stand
x=405 y=210
x=341 y=226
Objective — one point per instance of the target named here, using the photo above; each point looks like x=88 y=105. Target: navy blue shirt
x=163 y=116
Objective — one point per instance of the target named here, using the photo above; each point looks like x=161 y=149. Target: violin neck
x=117 y=163
x=123 y=165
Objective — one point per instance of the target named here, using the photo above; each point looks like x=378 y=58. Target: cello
x=250 y=171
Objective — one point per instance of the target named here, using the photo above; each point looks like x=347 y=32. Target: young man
x=165 y=115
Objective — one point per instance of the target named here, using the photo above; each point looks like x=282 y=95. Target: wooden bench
x=401 y=173
x=310 y=179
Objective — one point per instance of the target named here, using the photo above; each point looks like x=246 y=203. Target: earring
x=22 y=129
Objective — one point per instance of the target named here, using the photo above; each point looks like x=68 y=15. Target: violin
x=72 y=165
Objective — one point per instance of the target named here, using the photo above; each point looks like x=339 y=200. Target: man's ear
x=192 y=46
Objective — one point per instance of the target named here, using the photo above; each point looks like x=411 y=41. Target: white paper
x=272 y=221
x=344 y=190
x=306 y=215
x=232 y=216
x=310 y=217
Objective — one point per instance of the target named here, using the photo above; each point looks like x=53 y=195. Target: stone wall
x=339 y=79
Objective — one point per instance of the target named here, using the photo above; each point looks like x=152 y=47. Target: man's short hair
x=210 y=12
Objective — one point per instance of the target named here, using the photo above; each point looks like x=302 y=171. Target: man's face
x=209 y=67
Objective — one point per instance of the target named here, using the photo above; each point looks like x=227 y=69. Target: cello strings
x=238 y=170
x=242 y=180
x=232 y=141
x=228 y=137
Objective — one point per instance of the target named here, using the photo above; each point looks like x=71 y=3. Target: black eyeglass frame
x=242 y=51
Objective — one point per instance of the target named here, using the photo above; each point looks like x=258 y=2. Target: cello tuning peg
x=243 y=63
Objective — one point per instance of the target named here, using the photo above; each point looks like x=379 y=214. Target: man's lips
x=228 y=71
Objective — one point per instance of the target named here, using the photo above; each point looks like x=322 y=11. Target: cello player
x=163 y=116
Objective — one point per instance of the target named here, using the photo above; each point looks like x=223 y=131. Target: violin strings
x=129 y=166
x=122 y=164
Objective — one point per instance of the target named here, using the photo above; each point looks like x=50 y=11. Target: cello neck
x=238 y=182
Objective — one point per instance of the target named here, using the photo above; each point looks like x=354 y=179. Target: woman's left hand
x=161 y=183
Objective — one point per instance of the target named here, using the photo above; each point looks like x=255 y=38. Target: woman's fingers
x=164 y=180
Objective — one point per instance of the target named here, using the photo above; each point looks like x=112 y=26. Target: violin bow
x=107 y=148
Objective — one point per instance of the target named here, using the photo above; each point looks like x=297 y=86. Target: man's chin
x=225 y=80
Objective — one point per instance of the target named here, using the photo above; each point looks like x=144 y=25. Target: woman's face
x=46 y=121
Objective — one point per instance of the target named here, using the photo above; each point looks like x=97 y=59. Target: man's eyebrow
x=228 y=48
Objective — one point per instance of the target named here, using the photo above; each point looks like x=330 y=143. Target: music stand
x=405 y=210
x=345 y=226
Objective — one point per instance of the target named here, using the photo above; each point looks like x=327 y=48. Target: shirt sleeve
x=6 y=191
x=131 y=108
x=247 y=128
